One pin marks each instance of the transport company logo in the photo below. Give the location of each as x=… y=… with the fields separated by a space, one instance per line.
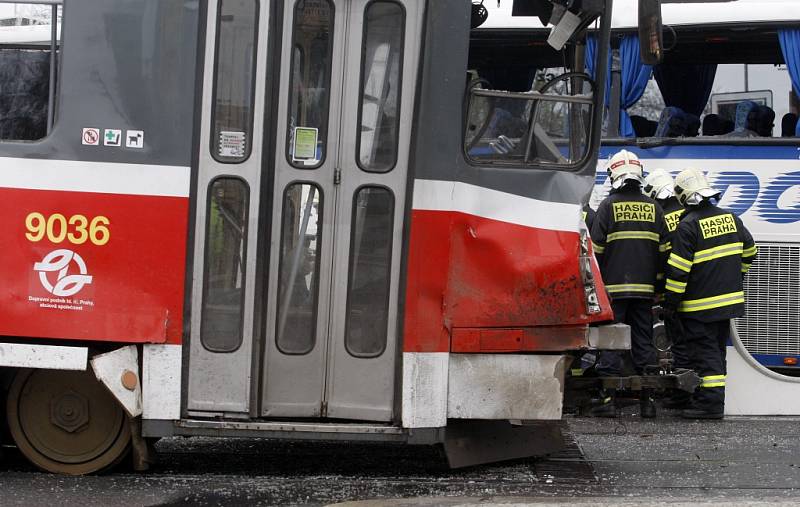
x=59 y=262
x=772 y=199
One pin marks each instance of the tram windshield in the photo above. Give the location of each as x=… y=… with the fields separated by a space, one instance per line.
x=514 y=116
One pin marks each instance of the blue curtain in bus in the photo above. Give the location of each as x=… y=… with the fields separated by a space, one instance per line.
x=634 y=76
x=790 y=45
x=687 y=87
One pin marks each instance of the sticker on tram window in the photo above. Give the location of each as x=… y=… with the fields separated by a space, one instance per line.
x=232 y=144
x=75 y=229
x=305 y=145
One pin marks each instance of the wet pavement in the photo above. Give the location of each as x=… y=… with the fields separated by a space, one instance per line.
x=627 y=461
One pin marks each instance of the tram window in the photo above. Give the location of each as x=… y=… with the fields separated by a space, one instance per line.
x=234 y=71
x=549 y=127
x=370 y=272
x=27 y=71
x=301 y=237
x=381 y=70
x=225 y=265
x=309 y=92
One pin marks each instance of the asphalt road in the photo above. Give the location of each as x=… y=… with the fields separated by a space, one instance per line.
x=627 y=461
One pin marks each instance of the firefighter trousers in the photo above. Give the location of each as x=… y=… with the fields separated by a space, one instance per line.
x=638 y=314
x=680 y=353
x=705 y=343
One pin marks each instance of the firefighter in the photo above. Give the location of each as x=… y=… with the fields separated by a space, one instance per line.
x=660 y=186
x=711 y=252
x=629 y=239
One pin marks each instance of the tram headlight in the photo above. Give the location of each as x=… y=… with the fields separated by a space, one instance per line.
x=587 y=275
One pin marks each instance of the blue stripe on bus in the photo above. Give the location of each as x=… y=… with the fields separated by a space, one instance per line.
x=709 y=151
x=774 y=360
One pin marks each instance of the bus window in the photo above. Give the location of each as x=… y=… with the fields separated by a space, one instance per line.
x=381 y=68
x=29 y=41
x=224 y=275
x=719 y=84
x=310 y=80
x=234 y=74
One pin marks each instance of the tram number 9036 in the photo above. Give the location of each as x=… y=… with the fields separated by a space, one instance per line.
x=76 y=229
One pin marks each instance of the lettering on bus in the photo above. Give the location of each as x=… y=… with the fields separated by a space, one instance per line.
x=634 y=212
x=77 y=229
x=717 y=226
x=772 y=200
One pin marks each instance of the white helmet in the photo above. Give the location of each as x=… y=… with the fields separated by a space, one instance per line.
x=691 y=187
x=623 y=167
x=659 y=185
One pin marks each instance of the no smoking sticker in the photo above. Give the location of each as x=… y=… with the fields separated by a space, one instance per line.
x=90 y=137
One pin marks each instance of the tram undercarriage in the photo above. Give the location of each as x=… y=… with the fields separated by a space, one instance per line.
x=84 y=420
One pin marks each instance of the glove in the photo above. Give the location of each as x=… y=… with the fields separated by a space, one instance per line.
x=673 y=323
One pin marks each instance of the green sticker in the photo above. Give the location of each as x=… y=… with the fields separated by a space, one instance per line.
x=305 y=143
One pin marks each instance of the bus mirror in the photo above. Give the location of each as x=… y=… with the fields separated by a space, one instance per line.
x=651 y=41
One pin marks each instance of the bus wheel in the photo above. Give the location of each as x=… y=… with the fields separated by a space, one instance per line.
x=66 y=422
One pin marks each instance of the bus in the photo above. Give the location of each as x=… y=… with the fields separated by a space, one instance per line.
x=725 y=100
x=300 y=219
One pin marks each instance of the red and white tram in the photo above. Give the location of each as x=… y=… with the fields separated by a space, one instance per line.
x=292 y=220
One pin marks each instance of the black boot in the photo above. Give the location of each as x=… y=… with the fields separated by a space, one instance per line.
x=647 y=407
x=696 y=413
x=679 y=400
x=605 y=407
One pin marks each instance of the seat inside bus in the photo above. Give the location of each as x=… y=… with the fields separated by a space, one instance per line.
x=715 y=81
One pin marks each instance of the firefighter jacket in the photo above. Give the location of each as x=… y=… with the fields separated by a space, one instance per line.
x=629 y=237
x=673 y=211
x=711 y=252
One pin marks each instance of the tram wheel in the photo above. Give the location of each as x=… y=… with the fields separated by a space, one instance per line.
x=66 y=422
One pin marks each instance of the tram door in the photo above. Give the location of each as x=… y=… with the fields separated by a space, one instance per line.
x=338 y=174
x=346 y=100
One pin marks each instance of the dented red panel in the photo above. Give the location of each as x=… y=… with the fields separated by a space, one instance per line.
x=467 y=271
x=529 y=339
x=92 y=266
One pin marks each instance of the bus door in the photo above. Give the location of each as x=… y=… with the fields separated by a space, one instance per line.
x=333 y=223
